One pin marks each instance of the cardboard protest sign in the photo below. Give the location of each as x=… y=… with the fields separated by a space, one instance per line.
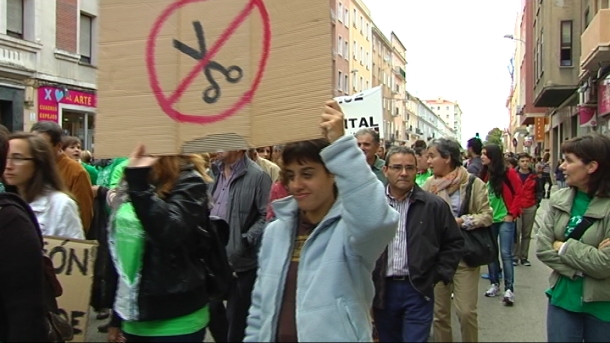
x=73 y=261
x=363 y=110
x=201 y=75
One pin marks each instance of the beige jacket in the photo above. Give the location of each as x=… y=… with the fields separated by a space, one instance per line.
x=270 y=168
x=480 y=213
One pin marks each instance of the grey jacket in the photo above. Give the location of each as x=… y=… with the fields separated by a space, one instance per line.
x=246 y=210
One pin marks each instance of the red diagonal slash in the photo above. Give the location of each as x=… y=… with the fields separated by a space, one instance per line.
x=175 y=96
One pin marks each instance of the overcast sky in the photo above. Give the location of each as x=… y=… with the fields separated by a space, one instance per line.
x=456 y=49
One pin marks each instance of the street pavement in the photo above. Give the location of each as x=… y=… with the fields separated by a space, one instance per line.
x=523 y=322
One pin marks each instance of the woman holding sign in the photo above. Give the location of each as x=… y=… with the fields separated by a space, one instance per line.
x=157 y=210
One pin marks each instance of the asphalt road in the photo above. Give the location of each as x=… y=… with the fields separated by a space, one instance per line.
x=523 y=322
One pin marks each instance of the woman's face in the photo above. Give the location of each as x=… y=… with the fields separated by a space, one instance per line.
x=577 y=173
x=484 y=159
x=264 y=152
x=20 y=166
x=440 y=166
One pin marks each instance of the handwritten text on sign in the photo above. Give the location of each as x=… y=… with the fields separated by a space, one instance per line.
x=363 y=110
x=73 y=261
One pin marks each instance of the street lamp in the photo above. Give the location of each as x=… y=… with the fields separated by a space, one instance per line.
x=514 y=38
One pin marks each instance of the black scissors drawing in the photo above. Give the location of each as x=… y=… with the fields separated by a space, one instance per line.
x=212 y=93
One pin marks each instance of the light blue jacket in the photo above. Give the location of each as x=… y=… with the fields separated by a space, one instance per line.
x=334 y=288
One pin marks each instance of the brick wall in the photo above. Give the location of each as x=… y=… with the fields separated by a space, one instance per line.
x=66 y=12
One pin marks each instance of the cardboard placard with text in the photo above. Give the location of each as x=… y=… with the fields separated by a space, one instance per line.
x=191 y=76
x=73 y=261
x=363 y=110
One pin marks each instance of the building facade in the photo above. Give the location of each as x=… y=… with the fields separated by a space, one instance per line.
x=340 y=17
x=381 y=72
x=429 y=124
x=451 y=115
x=47 y=64
x=399 y=85
x=360 y=34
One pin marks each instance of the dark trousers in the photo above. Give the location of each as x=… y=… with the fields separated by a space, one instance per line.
x=198 y=336
x=229 y=324
x=544 y=180
x=407 y=315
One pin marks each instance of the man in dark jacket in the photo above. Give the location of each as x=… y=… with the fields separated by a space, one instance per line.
x=240 y=193
x=426 y=249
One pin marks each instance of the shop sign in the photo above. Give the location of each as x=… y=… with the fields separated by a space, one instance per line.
x=586 y=116
x=539 y=123
x=50 y=98
x=603 y=97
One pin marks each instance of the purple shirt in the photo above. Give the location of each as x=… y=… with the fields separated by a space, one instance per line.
x=223 y=186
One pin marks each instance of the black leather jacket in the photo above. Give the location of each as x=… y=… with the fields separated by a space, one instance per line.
x=173 y=281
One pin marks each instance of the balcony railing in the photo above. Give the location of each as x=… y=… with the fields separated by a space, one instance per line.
x=595 y=41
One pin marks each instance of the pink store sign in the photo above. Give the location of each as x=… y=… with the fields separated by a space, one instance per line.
x=51 y=98
x=603 y=97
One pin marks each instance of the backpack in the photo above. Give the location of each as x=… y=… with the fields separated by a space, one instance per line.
x=59 y=328
x=213 y=238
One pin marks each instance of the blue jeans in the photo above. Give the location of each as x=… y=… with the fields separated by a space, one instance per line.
x=566 y=326
x=198 y=336
x=505 y=231
x=407 y=315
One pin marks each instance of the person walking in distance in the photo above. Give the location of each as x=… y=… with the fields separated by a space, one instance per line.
x=531 y=194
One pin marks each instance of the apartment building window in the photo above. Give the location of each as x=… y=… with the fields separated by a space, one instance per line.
x=566 y=44
x=367 y=61
x=355 y=20
x=346 y=19
x=345 y=84
x=361 y=24
x=587 y=18
x=340 y=14
x=354 y=81
x=86 y=29
x=340 y=46
x=14 y=18
x=355 y=50
x=367 y=31
x=367 y=85
x=340 y=81
x=346 y=49
x=361 y=57
x=361 y=83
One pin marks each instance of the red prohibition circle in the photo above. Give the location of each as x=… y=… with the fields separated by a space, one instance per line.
x=167 y=102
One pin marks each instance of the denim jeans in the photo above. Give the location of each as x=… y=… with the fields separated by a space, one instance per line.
x=566 y=326
x=198 y=336
x=505 y=231
x=407 y=315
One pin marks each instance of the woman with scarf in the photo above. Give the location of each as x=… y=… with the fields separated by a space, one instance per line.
x=450 y=180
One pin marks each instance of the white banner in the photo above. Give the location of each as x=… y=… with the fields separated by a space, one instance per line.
x=363 y=110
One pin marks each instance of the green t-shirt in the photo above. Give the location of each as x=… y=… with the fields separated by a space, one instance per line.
x=421 y=178
x=129 y=244
x=567 y=293
x=497 y=205
x=91 y=171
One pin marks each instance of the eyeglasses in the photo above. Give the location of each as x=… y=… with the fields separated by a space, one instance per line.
x=398 y=168
x=19 y=161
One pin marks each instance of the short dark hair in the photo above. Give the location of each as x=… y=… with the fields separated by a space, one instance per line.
x=589 y=148
x=448 y=148
x=420 y=143
x=524 y=155
x=400 y=149
x=475 y=144
x=51 y=128
x=371 y=132
x=304 y=151
x=68 y=141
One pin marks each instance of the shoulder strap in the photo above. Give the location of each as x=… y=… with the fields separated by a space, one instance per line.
x=580 y=229
x=464 y=208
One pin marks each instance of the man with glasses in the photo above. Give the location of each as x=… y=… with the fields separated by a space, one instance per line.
x=426 y=249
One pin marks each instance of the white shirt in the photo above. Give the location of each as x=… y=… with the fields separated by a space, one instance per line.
x=58 y=215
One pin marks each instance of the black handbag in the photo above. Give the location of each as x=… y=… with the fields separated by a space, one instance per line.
x=480 y=247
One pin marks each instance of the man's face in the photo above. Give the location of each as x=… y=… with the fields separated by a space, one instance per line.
x=400 y=171
x=367 y=145
x=422 y=160
x=469 y=152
